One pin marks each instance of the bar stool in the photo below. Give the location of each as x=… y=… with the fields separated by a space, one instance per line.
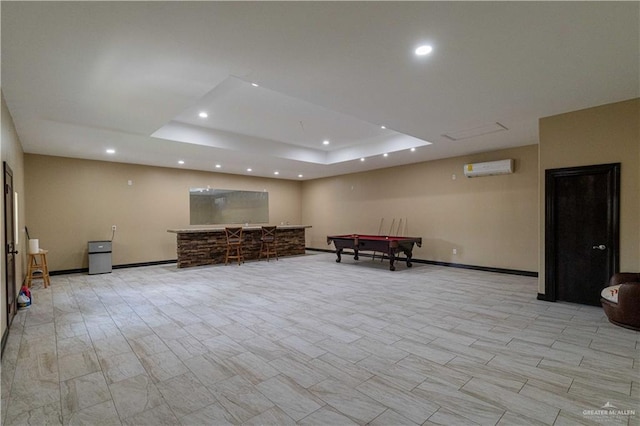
x=36 y=271
x=234 y=244
x=268 y=242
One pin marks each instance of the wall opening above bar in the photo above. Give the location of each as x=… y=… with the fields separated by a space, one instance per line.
x=208 y=206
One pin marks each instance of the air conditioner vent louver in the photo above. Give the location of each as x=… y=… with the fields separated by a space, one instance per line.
x=490 y=168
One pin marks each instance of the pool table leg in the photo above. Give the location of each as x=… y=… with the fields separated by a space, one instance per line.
x=409 y=254
x=339 y=254
x=392 y=259
x=355 y=255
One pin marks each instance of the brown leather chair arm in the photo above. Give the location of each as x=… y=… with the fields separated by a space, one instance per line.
x=629 y=299
x=624 y=277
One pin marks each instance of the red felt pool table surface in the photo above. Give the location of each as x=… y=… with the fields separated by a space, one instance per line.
x=375 y=237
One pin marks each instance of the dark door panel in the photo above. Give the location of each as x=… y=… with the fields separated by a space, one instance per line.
x=9 y=245
x=581 y=231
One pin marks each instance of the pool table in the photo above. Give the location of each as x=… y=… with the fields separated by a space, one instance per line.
x=380 y=243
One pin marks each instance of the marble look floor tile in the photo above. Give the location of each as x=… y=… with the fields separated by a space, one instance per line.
x=103 y=414
x=135 y=330
x=327 y=415
x=208 y=369
x=49 y=414
x=163 y=365
x=82 y=392
x=395 y=374
x=512 y=366
x=412 y=405
x=170 y=331
x=186 y=347
x=160 y=415
x=267 y=342
x=240 y=398
x=303 y=374
x=201 y=331
x=213 y=414
x=390 y=417
x=185 y=394
x=423 y=351
x=223 y=347
x=237 y=332
x=251 y=367
x=510 y=418
x=273 y=416
x=135 y=395
x=507 y=400
x=447 y=417
x=511 y=381
x=290 y=397
x=148 y=345
x=99 y=332
x=309 y=326
x=348 y=401
x=463 y=404
x=340 y=369
x=299 y=344
x=121 y=366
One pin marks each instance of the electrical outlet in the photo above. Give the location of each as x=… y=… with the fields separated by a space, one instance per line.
x=455 y=251
x=113 y=227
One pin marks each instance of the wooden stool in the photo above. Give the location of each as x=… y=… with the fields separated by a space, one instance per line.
x=37 y=270
x=234 y=244
x=268 y=242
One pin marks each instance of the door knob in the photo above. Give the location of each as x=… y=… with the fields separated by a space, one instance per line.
x=600 y=247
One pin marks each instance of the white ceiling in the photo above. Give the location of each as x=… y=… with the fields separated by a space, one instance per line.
x=81 y=77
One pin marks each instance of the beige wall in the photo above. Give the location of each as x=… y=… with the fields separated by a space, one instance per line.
x=11 y=150
x=604 y=134
x=73 y=201
x=491 y=221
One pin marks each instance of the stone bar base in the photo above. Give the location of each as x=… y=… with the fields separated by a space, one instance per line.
x=208 y=246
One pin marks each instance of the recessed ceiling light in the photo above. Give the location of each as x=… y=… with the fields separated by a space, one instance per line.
x=424 y=50
x=385 y=155
x=254 y=84
x=111 y=151
x=249 y=170
x=276 y=172
x=325 y=142
x=413 y=149
x=383 y=127
x=362 y=159
x=218 y=166
x=203 y=115
x=299 y=175
x=181 y=162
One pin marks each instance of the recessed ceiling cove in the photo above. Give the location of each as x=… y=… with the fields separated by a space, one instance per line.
x=243 y=115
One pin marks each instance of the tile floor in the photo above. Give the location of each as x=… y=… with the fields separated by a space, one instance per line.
x=308 y=341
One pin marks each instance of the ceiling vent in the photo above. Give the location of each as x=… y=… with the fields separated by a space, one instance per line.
x=476 y=131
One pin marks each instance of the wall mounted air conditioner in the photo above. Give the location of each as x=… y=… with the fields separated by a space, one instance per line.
x=490 y=168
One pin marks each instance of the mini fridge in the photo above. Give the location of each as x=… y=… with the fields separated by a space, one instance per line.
x=99 y=257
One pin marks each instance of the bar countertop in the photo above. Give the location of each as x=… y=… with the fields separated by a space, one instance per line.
x=221 y=229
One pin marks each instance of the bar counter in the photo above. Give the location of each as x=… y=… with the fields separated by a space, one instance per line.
x=207 y=246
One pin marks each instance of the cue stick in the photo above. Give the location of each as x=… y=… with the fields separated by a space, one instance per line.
x=390 y=234
x=399 y=227
x=379 y=233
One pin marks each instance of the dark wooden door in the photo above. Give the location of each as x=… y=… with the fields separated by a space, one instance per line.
x=9 y=245
x=582 y=231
